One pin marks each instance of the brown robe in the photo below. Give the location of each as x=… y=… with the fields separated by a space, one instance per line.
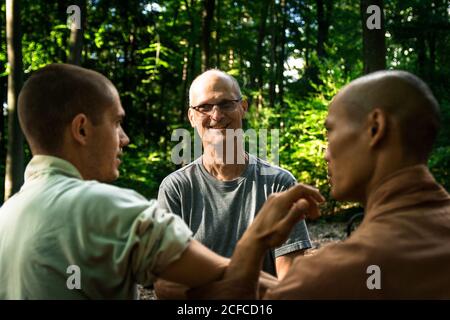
x=405 y=231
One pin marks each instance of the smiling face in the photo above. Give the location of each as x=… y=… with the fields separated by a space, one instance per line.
x=348 y=152
x=215 y=88
x=105 y=148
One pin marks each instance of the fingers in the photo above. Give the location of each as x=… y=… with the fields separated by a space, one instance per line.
x=298 y=211
x=268 y=276
x=281 y=212
x=313 y=211
x=284 y=227
x=301 y=191
x=303 y=208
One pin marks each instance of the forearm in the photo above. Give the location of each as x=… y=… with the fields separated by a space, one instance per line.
x=241 y=277
x=244 y=268
x=170 y=290
x=196 y=267
x=283 y=263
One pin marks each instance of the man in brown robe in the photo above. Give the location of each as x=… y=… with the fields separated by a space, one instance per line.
x=381 y=129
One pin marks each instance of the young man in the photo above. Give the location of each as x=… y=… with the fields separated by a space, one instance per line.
x=67 y=235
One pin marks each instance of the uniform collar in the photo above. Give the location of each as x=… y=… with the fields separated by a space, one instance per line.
x=408 y=187
x=40 y=164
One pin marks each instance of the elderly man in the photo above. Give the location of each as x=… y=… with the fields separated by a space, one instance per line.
x=65 y=235
x=389 y=119
x=218 y=195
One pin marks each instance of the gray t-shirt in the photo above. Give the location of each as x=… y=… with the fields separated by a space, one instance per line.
x=219 y=212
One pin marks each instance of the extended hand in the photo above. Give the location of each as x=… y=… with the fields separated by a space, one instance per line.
x=271 y=227
x=281 y=212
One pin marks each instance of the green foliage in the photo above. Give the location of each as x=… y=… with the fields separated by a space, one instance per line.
x=439 y=162
x=152 y=56
x=303 y=135
x=143 y=170
x=440 y=165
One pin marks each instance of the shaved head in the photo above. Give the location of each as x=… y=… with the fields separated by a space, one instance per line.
x=54 y=95
x=211 y=78
x=405 y=98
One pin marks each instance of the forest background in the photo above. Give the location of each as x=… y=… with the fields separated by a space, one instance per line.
x=289 y=56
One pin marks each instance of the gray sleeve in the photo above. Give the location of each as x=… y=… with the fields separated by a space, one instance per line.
x=299 y=237
x=169 y=196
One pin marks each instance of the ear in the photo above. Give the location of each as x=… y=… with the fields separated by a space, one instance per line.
x=191 y=117
x=244 y=107
x=80 y=128
x=377 y=126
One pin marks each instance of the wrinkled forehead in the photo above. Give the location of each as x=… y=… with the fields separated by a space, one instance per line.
x=212 y=86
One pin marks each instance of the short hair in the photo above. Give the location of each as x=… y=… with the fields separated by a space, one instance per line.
x=408 y=99
x=220 y=73
x=53 y=96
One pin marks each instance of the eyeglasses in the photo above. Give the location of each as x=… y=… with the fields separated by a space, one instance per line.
x=224 y=106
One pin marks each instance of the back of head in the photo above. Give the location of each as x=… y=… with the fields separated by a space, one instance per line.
x=404 y=97
x=53 y=96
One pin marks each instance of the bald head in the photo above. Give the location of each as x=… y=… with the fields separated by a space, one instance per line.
x=53 y=96
x=405 y=98
x=210 y=79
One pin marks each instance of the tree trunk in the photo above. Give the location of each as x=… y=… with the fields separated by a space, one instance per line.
x=432 y=64
x=374 y=47
x=184 y=79
x=258 y=67
x=273 y=53
x=320 y=28
x=189 y=61
x=3 y=94
x=421 y=55
x=15 y=157
x=76 y=36
x=323 y=21
x=218 y=15
x=208 y=15
x=282 y=53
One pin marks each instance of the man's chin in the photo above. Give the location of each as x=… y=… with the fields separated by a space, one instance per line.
x=111 y=178
x=344 y=195
x=215 y=131
x=337 y=194
x=214 y=135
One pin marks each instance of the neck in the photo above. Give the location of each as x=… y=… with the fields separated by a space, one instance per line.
x=77 y=158
x=221 y=168
x=388 y=165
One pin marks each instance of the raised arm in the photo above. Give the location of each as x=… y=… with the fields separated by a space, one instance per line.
x=270 y=228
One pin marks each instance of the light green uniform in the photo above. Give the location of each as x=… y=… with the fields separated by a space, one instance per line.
x=114 y=236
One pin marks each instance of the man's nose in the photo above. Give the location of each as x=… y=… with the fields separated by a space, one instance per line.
x=124 y=140
x=326 y=155
x=216 y=113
